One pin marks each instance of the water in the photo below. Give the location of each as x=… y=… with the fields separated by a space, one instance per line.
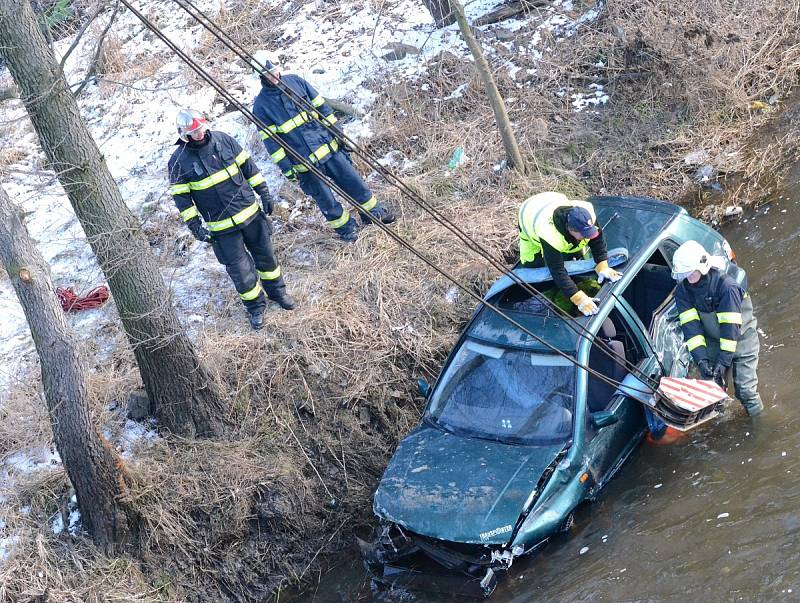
x=715 y=517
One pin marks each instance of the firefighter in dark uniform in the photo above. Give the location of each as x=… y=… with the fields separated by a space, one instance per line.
x=553 y=229
x=302 y=129
x=212 y=177
x=716 y=316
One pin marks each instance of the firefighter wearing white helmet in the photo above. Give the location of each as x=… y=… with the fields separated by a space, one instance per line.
x=552 y=229
x=212 y=184
x=716 y=316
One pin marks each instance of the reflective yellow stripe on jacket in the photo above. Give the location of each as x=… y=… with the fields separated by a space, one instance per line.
x=189 y=213
x=235 y=219
x=215 y=178
x=688 y=316
x=254 y=181
x=278 y=155
x=318 y=155
x=727 y=345
x=734 y=318
x=695 y=342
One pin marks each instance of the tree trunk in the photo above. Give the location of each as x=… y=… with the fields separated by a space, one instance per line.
x=513 y=156
x=94 y=468
x=441 y=11
x=185 y=397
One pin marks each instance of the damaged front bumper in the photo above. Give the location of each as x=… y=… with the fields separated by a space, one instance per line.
x=400 y=559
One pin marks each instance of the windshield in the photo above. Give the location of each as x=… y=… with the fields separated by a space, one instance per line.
x=504 y=394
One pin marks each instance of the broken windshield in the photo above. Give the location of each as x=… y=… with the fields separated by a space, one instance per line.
x=505 y=394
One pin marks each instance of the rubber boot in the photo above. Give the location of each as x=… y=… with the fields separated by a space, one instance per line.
x=381 y=213
x=348 y=232
x=257 y=320
x=754 y=407
x=283 y=299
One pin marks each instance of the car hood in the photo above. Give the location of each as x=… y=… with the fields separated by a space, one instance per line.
x=460 y=489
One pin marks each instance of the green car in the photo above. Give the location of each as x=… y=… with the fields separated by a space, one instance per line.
x=514 y=437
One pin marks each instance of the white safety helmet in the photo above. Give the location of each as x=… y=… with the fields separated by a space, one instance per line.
x=689 y=257
x=262 y=61
x=188 y=121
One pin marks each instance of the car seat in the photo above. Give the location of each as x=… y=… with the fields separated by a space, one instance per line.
x=599 y=392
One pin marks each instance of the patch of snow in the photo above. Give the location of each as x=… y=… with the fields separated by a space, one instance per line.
x=583 y=550
x=582 y=100
x=132 y=434
x=23 y=462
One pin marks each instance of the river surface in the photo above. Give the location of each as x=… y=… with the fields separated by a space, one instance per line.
x=715 y=517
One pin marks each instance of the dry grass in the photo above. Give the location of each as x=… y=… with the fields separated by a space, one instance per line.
x=322 y=395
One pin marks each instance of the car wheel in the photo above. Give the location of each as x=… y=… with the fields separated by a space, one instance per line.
x=568 y=523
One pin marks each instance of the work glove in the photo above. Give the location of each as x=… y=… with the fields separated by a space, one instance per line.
x=291 y=176
x=199 y=231
x=586 y=304
x=605 y=272
x=268 y=203
x=706 y=372
x=720 y=376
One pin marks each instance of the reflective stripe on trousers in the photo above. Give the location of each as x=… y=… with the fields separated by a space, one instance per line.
x=247 y=254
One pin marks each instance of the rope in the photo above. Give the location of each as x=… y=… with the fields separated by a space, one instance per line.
x=372 y=161
x=72 y=302
x=312 y=168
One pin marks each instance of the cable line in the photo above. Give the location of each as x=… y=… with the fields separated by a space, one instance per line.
x=312 y=168
x=372 y=161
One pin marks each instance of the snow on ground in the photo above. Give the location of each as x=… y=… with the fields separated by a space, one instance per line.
x=337 y=50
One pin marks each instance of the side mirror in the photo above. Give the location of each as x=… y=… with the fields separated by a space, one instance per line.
x=603 y=418
x=423 y=387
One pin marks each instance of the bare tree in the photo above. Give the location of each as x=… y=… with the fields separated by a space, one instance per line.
x=183 y=393
x=513 y=156
x=441 y=11
x=94 y=468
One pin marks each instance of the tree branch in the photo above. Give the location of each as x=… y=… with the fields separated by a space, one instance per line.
x=79 y=35
x=93 y=65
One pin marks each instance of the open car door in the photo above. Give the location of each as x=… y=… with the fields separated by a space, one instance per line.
x=679 y=402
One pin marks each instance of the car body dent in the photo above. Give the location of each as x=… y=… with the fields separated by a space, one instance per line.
x=429 y=489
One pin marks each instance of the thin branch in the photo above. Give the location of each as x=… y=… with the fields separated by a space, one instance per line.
x=79 y=35
x=93 y=65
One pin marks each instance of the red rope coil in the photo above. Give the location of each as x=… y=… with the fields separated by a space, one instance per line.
x=72 y=302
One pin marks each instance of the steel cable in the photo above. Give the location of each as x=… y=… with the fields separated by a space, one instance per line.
x=372 y=161
x=312 y=168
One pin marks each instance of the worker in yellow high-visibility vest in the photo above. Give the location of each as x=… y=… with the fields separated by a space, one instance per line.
x=552 y=229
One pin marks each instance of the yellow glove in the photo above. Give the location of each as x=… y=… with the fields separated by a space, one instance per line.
x=604 y=272
x=585 y=303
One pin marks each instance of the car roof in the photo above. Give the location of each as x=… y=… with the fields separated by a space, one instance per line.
x=630 y=224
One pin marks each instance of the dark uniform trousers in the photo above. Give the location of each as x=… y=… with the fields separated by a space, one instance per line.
x=249 y=259
x=339 y=169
